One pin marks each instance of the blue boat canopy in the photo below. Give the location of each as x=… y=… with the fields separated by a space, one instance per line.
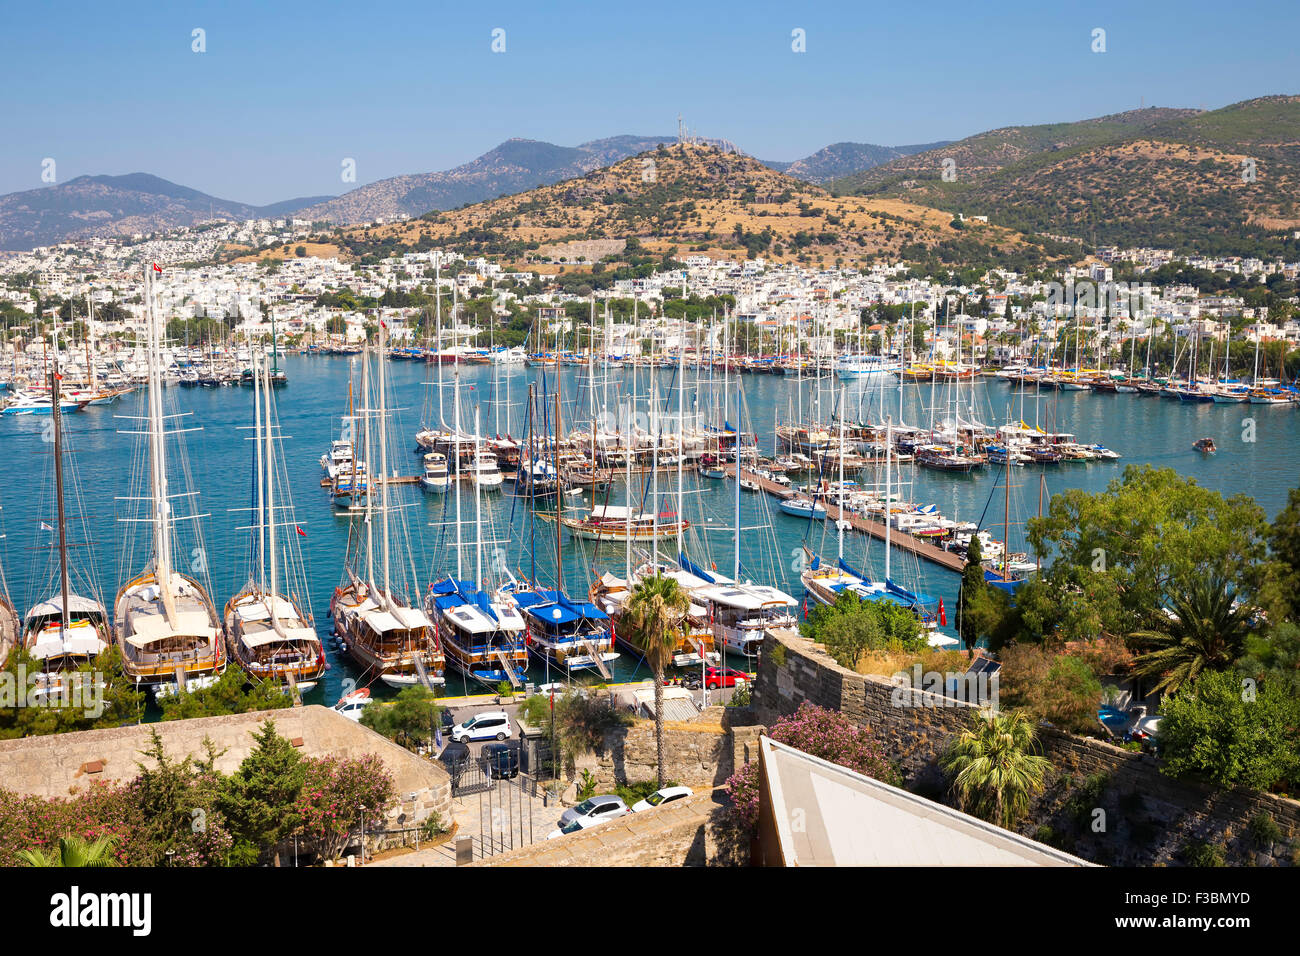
x=695 y=569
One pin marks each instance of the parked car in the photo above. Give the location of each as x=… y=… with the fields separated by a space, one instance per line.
x=660 y=797
x=352 y=705
x=715 y=677
x=501 y=761
x=489 y=725
x=605 y=807
x=581 y=823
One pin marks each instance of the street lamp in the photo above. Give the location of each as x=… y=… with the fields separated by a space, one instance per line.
x=364 y=811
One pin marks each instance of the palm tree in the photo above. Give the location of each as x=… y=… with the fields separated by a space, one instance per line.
x=73 y=851
x=994 y=769
x=1207 y=630
x=655 y=611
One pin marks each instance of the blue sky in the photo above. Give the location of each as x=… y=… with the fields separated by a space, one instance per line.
x=286 y=91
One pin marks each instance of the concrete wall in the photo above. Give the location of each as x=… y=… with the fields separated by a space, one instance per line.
x=1149 y=817
x=65 y=764
x=691 y=832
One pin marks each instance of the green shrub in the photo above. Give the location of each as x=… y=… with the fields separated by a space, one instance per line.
x=1263 y=830
x=1202 y=853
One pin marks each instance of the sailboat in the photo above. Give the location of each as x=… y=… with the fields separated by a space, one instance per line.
x=380 y=629
x=65 y=630
x=482 y=634
x=824 y=583
x=572 y=636
x=268 y=633
x=166 y=625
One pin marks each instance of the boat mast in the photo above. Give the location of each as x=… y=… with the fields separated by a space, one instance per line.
x=839 y=516
x=559 y=557
x=455 y=413
x=158 y=457
x=368 y=471
x=270 y=499
x=889 y=440
x=383 y=459
x=55 y=379
x=257 y=468
x=738 y=418
x=478 y=509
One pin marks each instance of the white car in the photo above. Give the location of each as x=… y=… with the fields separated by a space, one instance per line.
x=582 y=823
x=595 y=809
x=660 y=797
x=489 y=725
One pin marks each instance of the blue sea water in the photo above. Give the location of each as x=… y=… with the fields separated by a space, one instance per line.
x=1258 y=455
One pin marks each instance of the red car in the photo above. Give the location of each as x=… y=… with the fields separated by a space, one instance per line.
x=715 y=677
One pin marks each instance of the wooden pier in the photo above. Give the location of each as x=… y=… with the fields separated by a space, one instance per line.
x=898 y=539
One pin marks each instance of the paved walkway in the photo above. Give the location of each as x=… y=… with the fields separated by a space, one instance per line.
x=519 y=820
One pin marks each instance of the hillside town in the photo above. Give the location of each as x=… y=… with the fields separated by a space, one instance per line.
x=1001 y=318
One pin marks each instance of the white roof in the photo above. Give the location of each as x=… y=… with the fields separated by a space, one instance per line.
x=257 y=610
x=853 y=820
x=746 y=597
x=291 y=634
x=148 y=628
x=76 y=603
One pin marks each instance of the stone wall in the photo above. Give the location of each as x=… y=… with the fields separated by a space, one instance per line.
x=1148 y=817
x=691 y=832
x=696 y=754
x=65 y=764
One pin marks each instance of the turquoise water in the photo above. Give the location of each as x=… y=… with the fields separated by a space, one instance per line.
x=1154 y=430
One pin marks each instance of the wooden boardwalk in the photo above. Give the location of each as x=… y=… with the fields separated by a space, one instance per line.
x=898 y=539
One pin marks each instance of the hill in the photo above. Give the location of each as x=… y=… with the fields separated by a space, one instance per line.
x=512 y=167
x=1180 y=179
x=113 y=206
x=687 y=198
x=845 y=159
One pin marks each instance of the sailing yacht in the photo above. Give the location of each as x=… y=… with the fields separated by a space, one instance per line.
x=482 y=635
x=387 y=636
x=65 y=630
x=165 y=623
x=825 y=583
x=267 y=632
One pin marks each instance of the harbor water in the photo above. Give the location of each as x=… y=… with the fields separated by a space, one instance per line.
x=1258 y=455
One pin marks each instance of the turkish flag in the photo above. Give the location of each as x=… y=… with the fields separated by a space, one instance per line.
x=157 y=268
x=943 y=615
x=300 y=531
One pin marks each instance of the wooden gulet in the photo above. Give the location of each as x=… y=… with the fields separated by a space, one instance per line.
x=267 y=632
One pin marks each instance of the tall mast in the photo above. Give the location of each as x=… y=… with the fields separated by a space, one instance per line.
x=559 y=559
x=478 y=510
x=55 y=379
x=383 y=459
x=270 y=498
x=738 y=418
x=889 y=441
x=158 y=456
x=455 y=414
x=258 y=474
x=839 y=523
x=369 y=470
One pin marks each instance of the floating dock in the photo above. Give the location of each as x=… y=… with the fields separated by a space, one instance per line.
x=898 y=539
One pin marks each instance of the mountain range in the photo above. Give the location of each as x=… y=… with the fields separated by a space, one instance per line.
x=142 y=203
x=1223 y=181
x=116 y=206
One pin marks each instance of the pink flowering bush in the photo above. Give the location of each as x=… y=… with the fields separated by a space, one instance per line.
x=331 y=800
x=818 y=732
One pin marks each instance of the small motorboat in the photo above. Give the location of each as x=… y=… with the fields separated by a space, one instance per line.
x=1205 y=446
x=351 y=705
x=803 y=508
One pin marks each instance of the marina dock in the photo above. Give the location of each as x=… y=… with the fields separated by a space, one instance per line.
x=897 y=539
